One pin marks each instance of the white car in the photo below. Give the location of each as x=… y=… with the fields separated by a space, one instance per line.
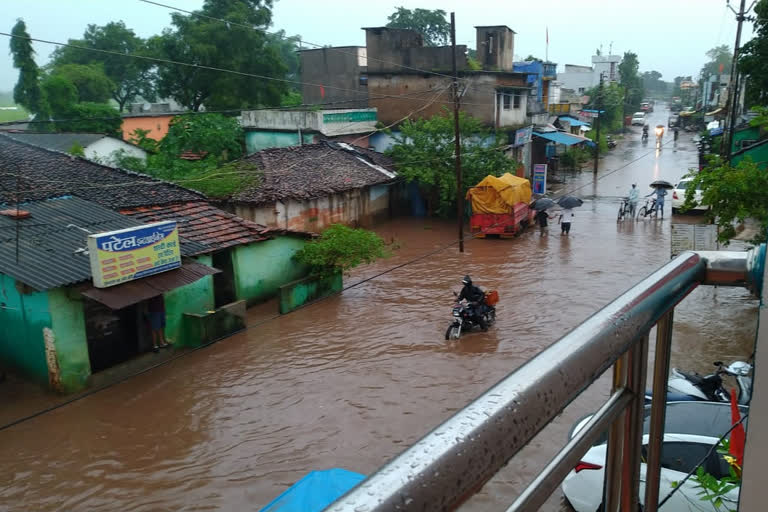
x=678 y=196
x=638 y=118
x=691 y=429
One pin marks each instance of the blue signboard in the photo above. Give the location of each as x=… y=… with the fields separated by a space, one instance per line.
x=540 y=179
x=523 y=135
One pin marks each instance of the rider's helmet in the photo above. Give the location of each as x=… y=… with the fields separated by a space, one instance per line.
x=467 y=280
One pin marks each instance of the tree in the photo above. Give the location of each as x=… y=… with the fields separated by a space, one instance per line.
x=720 y=57
x=733 y=193
x=89 y=80
x=754 y=55
x=27 y=91
x=61 y=95
x=131 y=78
x=339 y=249
x=91 y=118
x=241 y=46
x=423 y=153
x=653 y=84
x=611 y=101
x=631 y=82
x=213 y=135
x=431 y=24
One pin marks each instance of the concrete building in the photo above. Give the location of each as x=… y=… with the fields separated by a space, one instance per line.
x=582 y=78
x=310 y=187
x=96 y=146
x=496 y=95
x=335 y=77
x=282 y=128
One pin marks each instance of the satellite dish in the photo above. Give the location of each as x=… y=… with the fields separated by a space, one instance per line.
x=146 y=107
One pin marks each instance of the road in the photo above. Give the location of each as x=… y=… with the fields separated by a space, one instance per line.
x=353 y=380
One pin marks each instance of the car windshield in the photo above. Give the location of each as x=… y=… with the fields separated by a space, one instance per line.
x=682 y=185
x=639 y=114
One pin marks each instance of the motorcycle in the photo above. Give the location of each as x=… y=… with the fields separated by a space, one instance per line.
x=644 y=138
x=465 y=318
x=683 y=386
x=611 y=143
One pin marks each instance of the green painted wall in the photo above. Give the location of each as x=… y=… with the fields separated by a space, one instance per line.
x=23 y=318
x=746 y=133
x=256 y=141
x=296 y=294
x=193 y=298
x=261 y=268
x=68 y=325
x=758 y=154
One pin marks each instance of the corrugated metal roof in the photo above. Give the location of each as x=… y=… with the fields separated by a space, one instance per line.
x=123 y=295
x=560 y=138
x=52 y=241
x=58 y=141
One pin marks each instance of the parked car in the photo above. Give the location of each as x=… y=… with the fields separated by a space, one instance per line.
x=691 y=429
x=678 y=196
x=638 y=118
x=646 y=106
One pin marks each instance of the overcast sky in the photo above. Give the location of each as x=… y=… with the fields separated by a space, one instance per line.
x=669 y=36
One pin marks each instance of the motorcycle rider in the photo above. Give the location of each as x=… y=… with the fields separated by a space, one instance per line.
x=645 y=132
x=476 y=298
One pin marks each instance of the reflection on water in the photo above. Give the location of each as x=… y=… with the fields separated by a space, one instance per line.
x=353 y=380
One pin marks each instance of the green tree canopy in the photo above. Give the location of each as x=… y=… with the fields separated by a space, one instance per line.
x=631 y=82
x=611 y=100
x=130 y=78
x=89 y=80
x=719 y=57
x=214 y=135
x=61 y=95
x=28 y=93
x=653 y=84
x=203 y=41
x=341 y=248
x=431 y=24
x=424 y=153
x=753 y=57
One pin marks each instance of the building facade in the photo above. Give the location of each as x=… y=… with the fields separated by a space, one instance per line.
x=335 y=76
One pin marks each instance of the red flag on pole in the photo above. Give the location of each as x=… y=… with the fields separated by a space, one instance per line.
x=738 y=436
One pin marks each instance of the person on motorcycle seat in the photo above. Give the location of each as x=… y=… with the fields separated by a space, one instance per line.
x=645 y=130
x=476 y=298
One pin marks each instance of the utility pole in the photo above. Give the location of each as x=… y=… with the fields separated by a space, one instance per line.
x=733 y=88
x=456 y=136
x=597 y=127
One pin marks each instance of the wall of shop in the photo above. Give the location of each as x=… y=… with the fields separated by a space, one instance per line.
x=23 y=317
x=69 y=339
x=262 y=267
x=194 y=298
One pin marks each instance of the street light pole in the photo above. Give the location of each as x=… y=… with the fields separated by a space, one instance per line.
x=597 y=127
x=733 y=87
x=456 y=135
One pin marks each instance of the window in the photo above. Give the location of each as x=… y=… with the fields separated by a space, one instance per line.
x=516 y=103
x=506 y=101
x=681 y=457
x=581 y=90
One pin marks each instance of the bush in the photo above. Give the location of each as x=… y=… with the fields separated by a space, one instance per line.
x=575 y=157
x=341 y=248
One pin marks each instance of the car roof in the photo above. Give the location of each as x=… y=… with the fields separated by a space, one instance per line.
x=638 y=114
x=711 y=419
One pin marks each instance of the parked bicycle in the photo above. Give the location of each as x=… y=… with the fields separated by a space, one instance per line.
x=648 y=209
x=625 y=210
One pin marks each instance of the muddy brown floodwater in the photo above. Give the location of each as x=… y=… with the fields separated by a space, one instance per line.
x=355 y=379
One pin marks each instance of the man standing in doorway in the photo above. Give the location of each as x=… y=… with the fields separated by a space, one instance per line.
x=566 y=217
x=156 y=317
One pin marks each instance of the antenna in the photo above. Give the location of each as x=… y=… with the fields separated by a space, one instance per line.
x=610 y=48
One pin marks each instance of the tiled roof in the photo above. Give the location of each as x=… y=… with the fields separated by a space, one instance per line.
x=311 y=171
x=203 y=223
x=53 y=238
x=39 y=173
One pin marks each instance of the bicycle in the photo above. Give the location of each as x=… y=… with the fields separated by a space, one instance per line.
x=649 y=208
x=625 y=210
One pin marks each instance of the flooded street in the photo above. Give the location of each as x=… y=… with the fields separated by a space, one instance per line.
x=355 y=379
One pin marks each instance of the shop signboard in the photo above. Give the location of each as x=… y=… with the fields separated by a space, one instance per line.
x=693 y=237
x=133 y=253
x=523 y=135
x=540 y=179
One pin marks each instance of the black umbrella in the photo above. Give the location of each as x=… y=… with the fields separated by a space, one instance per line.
x=569 y=202
x=662 y=184
x=542 y=203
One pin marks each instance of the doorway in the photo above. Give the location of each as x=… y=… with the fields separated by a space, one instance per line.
x=224 y=281
x=112 y=335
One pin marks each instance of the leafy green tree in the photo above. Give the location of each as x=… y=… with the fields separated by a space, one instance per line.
x=733 y=194
x=213 y=135
x=424 y=153
x=27 y=92
x=631 y=82
x=611 y=100
x=431 y=24
x=131 y=78
x=89 y=80
x=653 y=84
x=91 y=118
x=719 y=56
x=243 y=47
x=61 y=95
x=754 y=55
x=339 y=249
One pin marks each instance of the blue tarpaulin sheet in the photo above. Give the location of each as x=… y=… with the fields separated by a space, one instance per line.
x=560 y=138
x=315 y=491
x=574 y=122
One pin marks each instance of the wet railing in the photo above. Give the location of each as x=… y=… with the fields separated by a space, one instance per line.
x=454 y=461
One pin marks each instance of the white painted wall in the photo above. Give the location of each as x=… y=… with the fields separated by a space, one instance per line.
x=513 y=116
x=103 y=149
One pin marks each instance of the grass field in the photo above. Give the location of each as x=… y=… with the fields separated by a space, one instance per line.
x=13 y=115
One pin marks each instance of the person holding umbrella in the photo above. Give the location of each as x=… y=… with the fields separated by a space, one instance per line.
x=541 y=219
x=660 y=190
x=541 y=205
x=567 y=203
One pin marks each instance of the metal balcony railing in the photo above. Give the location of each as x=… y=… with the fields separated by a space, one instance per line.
x=454 y=461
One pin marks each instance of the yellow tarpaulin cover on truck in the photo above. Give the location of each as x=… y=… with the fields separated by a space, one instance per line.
x=499 y=195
